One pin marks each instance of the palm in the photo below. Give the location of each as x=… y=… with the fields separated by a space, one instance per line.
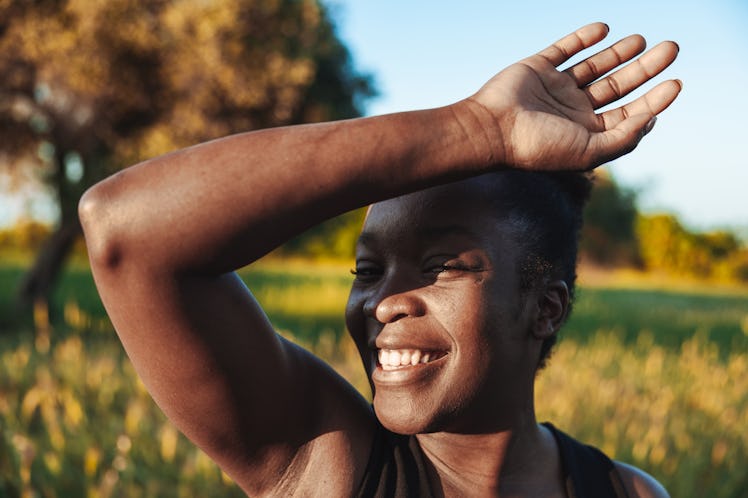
x=551 y=117
x=547 y=117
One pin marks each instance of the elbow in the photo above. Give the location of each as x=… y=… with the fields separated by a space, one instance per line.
x=100 y=229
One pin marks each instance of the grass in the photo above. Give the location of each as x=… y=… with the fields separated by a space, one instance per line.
x=655 y=376
x=669 y=317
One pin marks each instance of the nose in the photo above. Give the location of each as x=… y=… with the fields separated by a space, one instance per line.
x=391 y=303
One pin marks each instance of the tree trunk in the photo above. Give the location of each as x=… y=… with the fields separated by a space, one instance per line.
x=36 y=286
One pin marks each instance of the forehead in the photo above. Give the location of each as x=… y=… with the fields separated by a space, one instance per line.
x=457 y=210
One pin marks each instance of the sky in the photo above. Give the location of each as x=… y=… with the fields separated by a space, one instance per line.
x=428 y=53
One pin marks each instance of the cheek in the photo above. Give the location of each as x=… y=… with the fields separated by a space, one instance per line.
x=481 y=328
x=471 y=322
x=470 y=313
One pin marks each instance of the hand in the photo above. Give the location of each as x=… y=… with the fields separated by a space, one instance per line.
x=546 y=118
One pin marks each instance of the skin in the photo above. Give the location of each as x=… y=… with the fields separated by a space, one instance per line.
x=437 y=272
x=164 y=238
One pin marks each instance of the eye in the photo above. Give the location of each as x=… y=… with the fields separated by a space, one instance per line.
x=439 y=268
x=366 y=272
x=449 y=267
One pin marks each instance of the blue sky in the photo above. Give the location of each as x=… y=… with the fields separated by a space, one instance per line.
x=425 y=54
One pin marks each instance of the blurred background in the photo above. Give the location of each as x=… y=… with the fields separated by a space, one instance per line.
x=653 y=365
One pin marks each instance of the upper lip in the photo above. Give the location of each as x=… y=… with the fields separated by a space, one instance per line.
x=400 y=337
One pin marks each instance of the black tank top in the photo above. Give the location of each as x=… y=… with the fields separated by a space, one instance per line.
x=397 y=468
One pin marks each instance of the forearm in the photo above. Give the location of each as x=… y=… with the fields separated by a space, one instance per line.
x=220 y=205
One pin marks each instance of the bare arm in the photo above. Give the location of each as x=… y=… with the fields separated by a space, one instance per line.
x=164 y=236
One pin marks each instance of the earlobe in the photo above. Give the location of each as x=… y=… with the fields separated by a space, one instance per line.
x=553 y=305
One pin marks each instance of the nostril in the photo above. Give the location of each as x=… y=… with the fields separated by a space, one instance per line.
x=397 y=306
x=391 y=318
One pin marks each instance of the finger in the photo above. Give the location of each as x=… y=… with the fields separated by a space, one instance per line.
x=599 y=64
x=572 y=44
x=631 y=77
x=626 y=133
x=651 y=103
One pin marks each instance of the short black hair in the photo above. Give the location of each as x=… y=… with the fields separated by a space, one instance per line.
x=545 y=209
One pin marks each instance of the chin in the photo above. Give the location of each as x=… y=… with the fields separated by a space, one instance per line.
x=406 y=417
x=403 y=426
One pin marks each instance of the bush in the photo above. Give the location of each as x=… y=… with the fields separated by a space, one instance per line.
x=25 y=236
x=665 y=245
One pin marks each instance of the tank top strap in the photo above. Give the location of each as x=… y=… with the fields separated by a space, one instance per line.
x=588 y=472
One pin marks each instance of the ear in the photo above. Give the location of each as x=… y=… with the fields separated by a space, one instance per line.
x=553 y=305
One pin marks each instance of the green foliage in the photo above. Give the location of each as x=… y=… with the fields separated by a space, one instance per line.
x=335 y=238
x=616 y=234
x=123 y=80
x=608 y=235
x=24 y=236
x=665 y=245
x=735 y=266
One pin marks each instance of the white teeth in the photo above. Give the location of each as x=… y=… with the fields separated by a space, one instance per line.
x=384 y=357
x=391 y=359
x=405 y=358
x=395 y=358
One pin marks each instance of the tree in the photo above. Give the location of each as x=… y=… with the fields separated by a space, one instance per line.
x=608 y=234
x=90 y=86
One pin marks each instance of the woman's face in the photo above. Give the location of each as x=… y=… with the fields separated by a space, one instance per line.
x=437 y=313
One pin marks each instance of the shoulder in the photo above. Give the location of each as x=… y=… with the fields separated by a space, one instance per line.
x=638 y=483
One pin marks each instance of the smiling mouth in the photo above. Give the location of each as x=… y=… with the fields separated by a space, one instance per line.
x=393 y=359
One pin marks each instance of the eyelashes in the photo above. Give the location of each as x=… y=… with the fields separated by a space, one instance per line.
x=449 y=267
x=365 y=272
x=369 y=273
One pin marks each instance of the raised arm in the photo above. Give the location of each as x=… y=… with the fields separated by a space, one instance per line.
x=165 y=235
x=547 y=118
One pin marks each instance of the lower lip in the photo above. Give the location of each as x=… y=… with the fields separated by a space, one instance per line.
x=407 y=374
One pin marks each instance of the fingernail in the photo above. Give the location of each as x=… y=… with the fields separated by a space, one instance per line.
x=650 y=125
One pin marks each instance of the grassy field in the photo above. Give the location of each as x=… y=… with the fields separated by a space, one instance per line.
x=656 y=375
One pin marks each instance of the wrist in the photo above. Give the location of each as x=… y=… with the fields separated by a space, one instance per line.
x=482 y=131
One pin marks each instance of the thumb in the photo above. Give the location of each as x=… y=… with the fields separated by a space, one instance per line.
x=611 y=144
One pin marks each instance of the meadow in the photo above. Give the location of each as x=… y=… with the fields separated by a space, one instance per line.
x=654 y=374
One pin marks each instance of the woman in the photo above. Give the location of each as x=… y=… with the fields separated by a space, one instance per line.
x=437 y=283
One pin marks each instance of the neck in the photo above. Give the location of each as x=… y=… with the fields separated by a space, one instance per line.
x=521 y=459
